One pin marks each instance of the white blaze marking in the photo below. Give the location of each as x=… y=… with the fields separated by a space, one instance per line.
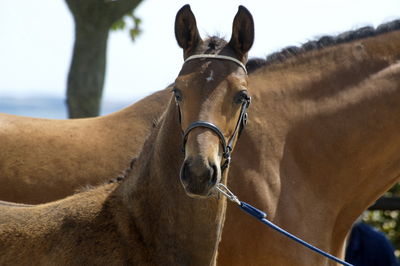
x=211 y=77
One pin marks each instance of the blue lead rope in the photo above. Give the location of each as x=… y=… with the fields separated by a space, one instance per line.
x=262 y=217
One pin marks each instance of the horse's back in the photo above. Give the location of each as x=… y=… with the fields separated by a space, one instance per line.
x=40 y=156
x=47 y=159
x=60 y=232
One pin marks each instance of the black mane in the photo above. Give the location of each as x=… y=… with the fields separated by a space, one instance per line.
x=322 y=42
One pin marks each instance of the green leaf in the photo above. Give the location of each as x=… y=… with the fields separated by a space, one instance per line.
x=119 y=24
x=135 y=30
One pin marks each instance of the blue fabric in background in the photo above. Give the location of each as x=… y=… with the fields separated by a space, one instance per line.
x=369 y=247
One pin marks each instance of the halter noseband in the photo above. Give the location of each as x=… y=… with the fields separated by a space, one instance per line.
x=242 y=121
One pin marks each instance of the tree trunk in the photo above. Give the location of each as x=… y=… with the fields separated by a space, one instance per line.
x=87 y=71
x=93 y=19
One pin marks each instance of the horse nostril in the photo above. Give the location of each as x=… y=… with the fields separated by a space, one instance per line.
x=185 y=172
x=214 y=175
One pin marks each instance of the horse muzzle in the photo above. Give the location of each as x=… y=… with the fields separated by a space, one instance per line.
x=199 y=177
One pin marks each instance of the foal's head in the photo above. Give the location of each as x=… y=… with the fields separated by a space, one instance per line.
x=212 y=98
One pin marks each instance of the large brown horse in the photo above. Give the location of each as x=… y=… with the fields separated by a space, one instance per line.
x=148 y=219
x=322 y=144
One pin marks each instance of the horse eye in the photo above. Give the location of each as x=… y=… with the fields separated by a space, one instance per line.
x=241 y=97
x=177 y=94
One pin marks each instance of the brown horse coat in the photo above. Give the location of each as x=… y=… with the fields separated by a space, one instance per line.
x=322 y=144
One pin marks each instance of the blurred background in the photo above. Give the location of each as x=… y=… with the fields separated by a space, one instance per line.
x=124 y=50
x=37 y=40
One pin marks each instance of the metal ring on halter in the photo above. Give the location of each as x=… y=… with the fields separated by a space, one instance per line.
x=225 y=190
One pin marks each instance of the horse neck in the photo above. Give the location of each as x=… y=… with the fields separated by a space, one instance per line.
x=340 y=114
x=174 y=228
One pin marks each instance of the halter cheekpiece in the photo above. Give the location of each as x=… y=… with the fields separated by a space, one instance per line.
x=242 y=121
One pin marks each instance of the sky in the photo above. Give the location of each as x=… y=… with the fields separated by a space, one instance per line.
x=36 y=39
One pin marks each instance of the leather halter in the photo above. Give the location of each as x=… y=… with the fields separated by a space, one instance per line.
x=241 y=123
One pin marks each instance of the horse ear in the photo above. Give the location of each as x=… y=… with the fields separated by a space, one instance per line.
x=242 y=32
x=186 y=32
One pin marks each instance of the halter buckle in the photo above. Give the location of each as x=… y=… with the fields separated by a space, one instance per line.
x=227 y=152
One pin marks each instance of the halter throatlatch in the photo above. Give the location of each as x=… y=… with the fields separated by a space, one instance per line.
x=241 y=123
